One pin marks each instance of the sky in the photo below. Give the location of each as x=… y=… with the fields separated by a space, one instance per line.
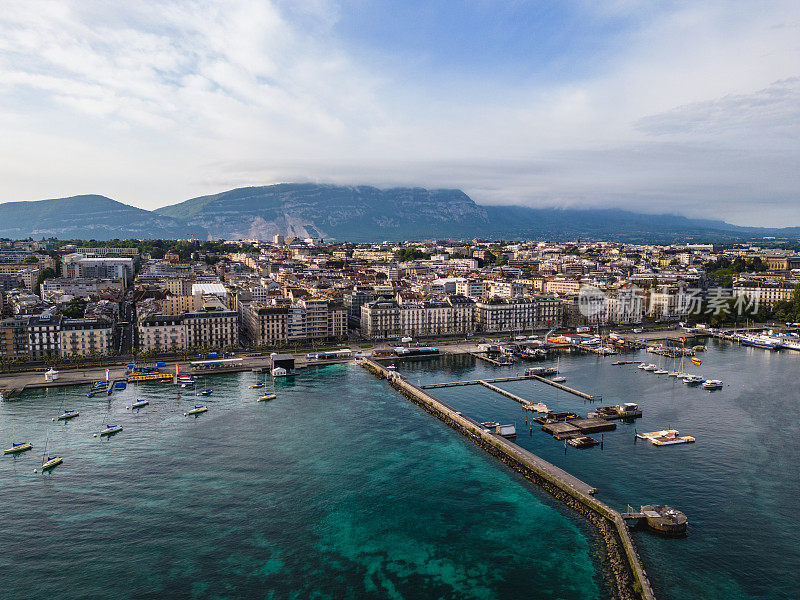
x=687 y=108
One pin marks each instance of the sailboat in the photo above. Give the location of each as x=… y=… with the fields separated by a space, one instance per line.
x=258 y=385
x=109 y=430
x=267 y=397
x=198 y=408
x=17 y=448
x=48 y=462
x=558 y=379
x=67 y=414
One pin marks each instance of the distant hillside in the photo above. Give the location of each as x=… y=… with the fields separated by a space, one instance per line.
x=366 y=213
x=87 y=217
x=353 y=213
x=360 y=213
x=619 y=225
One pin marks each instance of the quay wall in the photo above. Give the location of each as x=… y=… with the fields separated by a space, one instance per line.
x=627 y=575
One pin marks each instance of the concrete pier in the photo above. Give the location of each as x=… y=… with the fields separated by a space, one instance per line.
x=428 y=386
x=514 y=397
x=555 y=384
x=627 y=573
x=561 y=386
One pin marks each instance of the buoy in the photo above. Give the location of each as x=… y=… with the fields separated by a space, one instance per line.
x=35 y=471
x=185 y=414
x=53 y=419
x=127 y=408
x=94 y=435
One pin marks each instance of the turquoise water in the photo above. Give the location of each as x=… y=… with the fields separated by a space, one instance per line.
x=340 y=488
x=738 y=484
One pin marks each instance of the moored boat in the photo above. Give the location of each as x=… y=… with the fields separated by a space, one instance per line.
x=68 y=414
x=665 y=437
x=692 y=379
x=206 y=392
x=696 y=361
x=110 y=430
x=17 y=448
x=267 y=397
x=198 y=408
x=712 y=384
x=139 y=404
x=52 y=461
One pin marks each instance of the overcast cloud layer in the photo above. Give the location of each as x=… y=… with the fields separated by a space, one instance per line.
x=689 y=108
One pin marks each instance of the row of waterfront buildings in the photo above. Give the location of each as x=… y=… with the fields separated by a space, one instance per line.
x=292 y=292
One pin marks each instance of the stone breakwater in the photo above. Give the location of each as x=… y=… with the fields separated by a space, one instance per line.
x=625 y=574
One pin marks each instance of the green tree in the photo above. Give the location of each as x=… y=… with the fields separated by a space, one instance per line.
x=44 y=274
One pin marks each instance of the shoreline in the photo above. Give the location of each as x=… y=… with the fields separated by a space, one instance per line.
x=624 y=571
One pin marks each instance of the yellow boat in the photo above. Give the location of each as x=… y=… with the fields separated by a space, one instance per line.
x=266 y=397
x=696 y=361
x=257 y=386
x=17 y=448
x=51 y=462
x=197 y=410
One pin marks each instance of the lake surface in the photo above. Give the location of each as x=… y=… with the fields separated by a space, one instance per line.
x=739 y=484
x=339 y=488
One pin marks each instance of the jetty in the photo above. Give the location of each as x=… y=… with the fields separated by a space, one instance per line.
x=514 y=397
x=475 y=381
x=628 y=575
x=566 y=388
x=483 y=382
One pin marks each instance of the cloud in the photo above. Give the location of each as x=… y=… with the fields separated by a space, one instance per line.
x=689 y=107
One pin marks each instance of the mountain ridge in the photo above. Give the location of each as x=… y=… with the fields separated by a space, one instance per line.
x=354 y=213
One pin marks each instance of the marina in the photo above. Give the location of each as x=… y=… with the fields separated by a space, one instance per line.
x=620 y=470
x=634 y=583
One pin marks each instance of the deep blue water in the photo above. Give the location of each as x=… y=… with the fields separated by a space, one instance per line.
x=340 y=488
x=738 y=484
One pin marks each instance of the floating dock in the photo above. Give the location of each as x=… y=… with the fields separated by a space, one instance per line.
x=428 y=386
x=561 y=386
x=514 y=397
x=629 y=582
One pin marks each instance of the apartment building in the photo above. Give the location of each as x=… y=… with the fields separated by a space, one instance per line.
x=266 y=325
x=471 y=288
x=79 y=286
x=380 y=319
x=43 y=336
x=212 y=326
x=14 y=338
x=765 y=294
x=160 y=333
x=85 y=337
x=505 y=289
x=517 y=314
x=96 y=267
x=383 y=318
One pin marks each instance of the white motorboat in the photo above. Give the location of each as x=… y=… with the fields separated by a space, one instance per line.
x=712 y=384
